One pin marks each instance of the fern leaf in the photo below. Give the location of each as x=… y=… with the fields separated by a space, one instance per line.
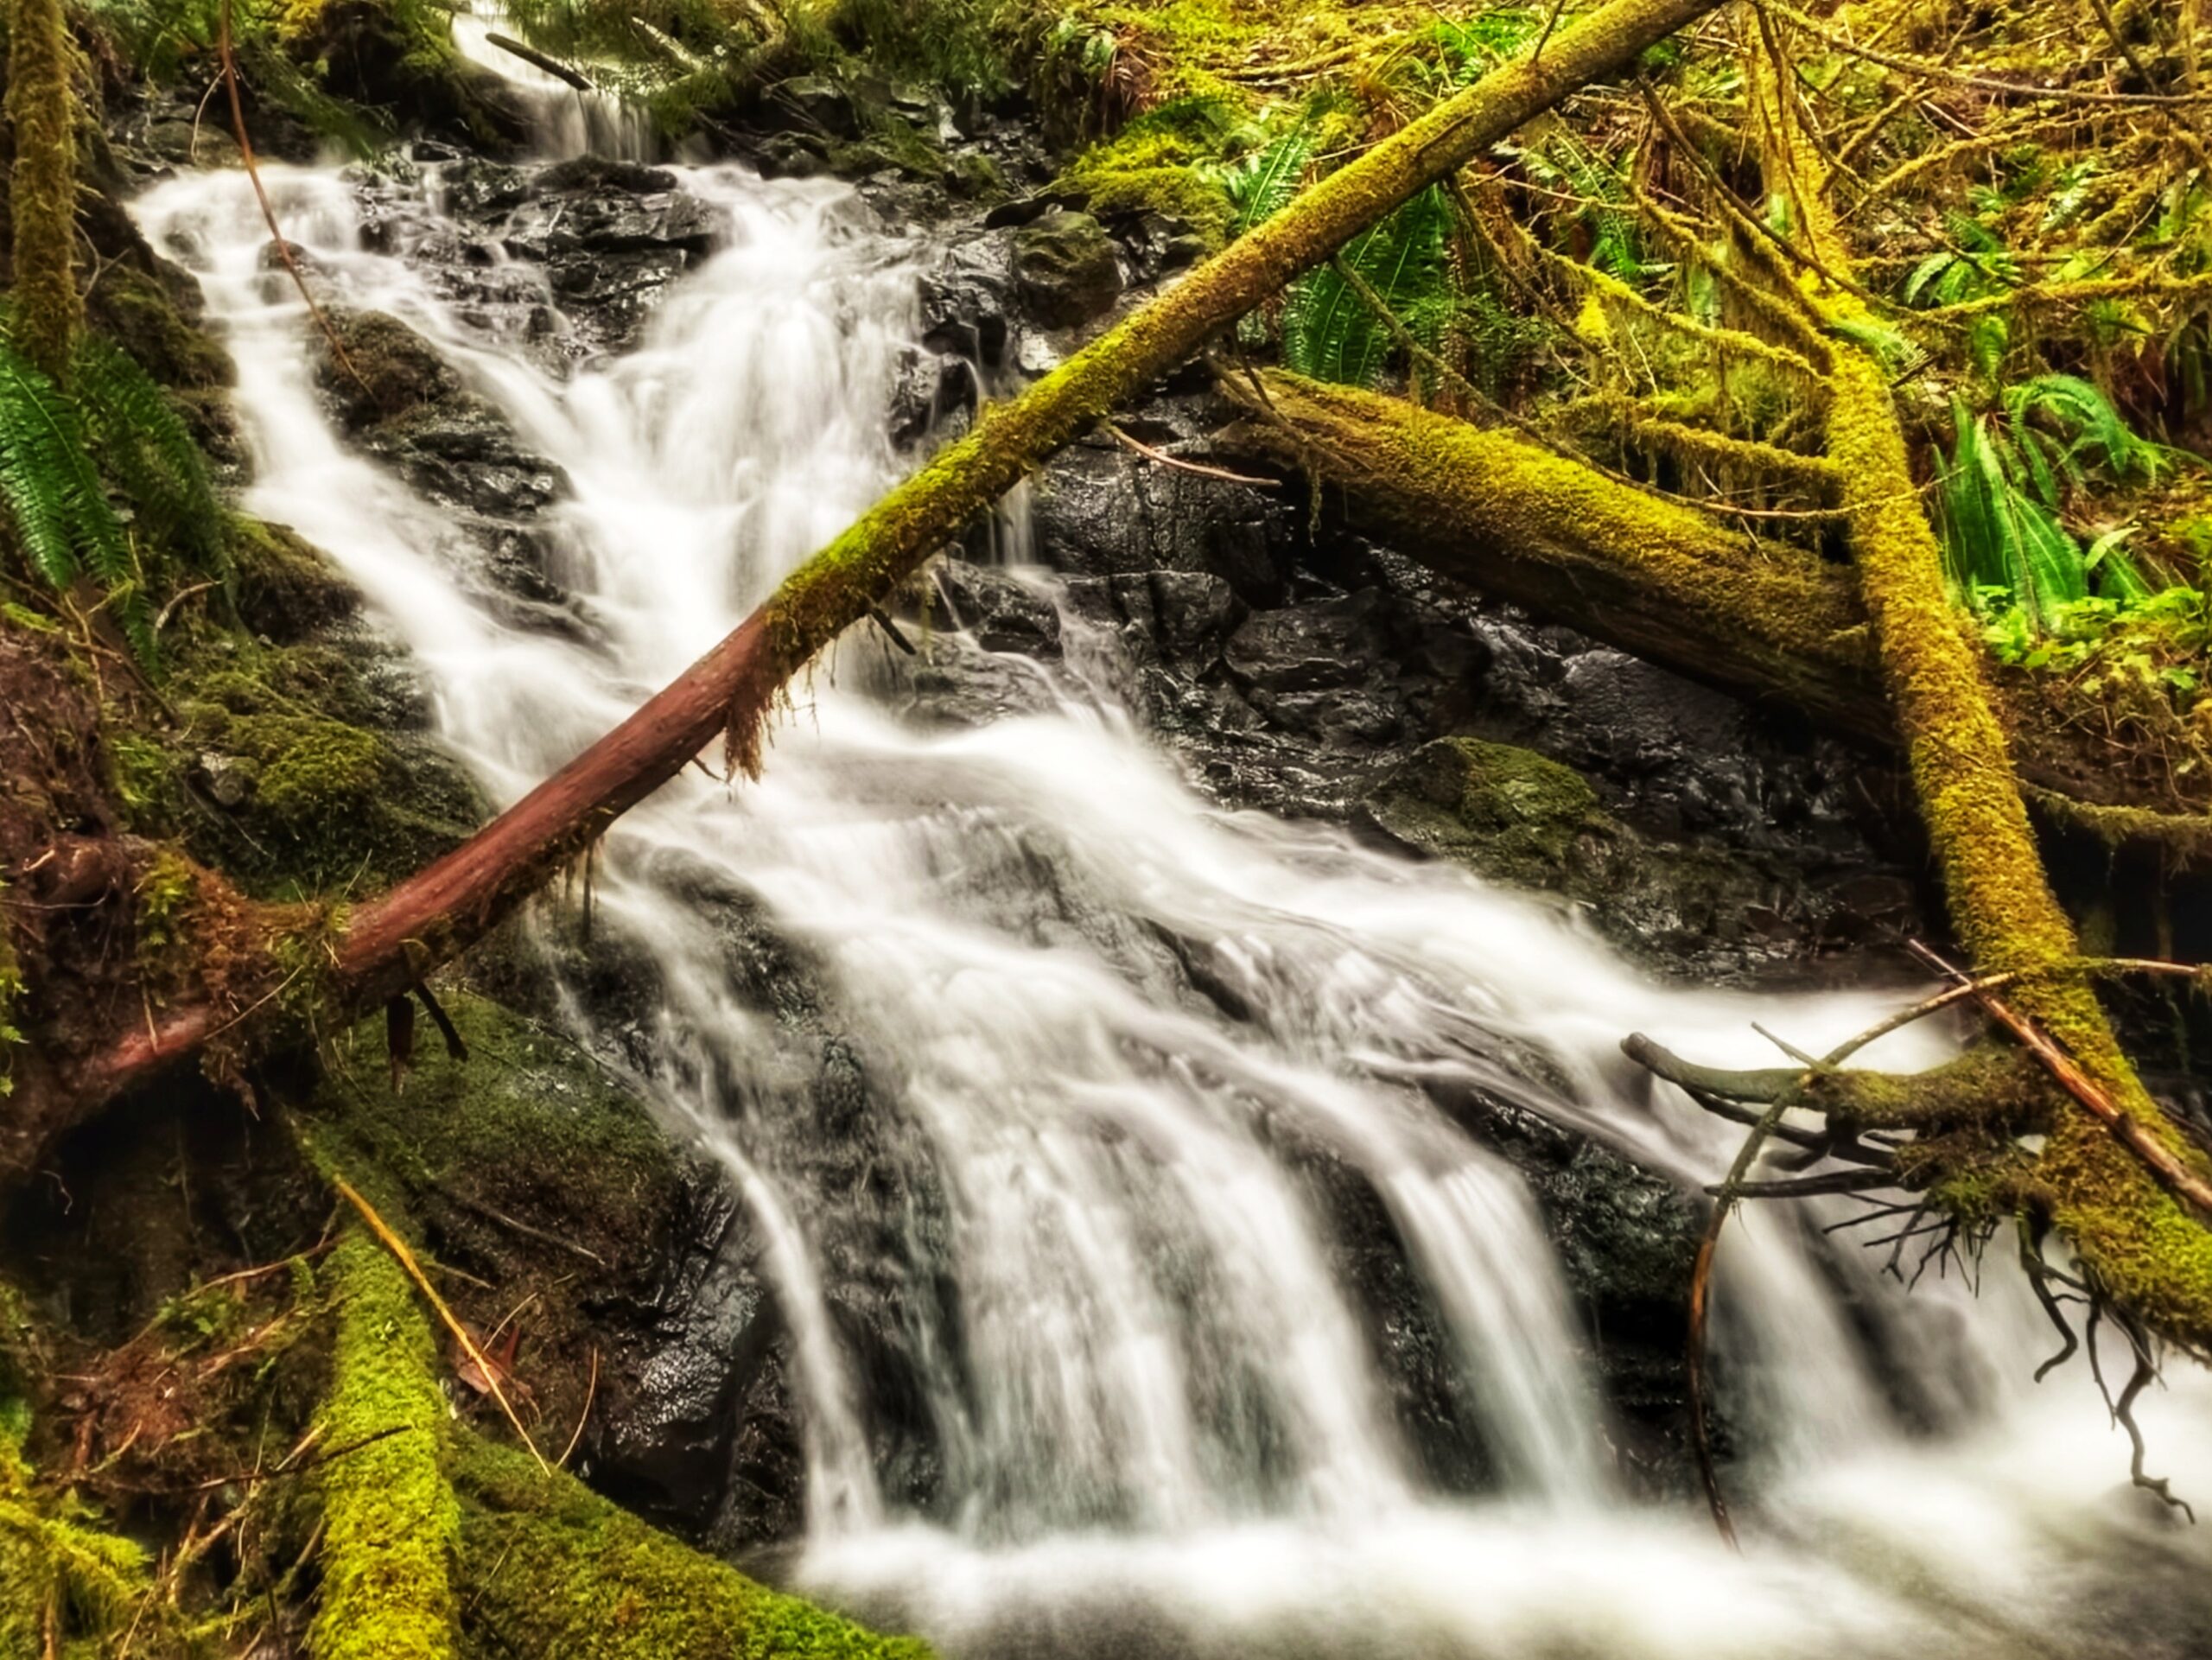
x=149 y=451
x=33 y=422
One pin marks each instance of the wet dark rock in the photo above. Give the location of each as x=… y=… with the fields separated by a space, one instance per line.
x=1514 y=816
x=706 y=1332
x=1100 y=509
x=964 y=299
x=410 y=408
x=1066 y=269
x=608 y=238
x=932 y=390
x=816 y=102
x=791 y=155
x=1001 y=611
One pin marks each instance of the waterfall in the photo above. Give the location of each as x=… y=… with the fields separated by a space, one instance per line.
x=1164 y=1428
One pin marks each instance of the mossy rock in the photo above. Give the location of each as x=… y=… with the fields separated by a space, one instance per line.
x=528 y=1124
x=287 y=589
x=1066 y=269
x=389 y=370
x=1507 y=813
x=1514 y=817
x=148 y=318
x=1159 y=163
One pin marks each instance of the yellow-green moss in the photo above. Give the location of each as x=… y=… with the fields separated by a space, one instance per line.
x=528 y=1122
x=42 y=189
x=1158 y=163
x=68 y=1587
x=391 y=1522
x=11 y=995
x=548 y=1568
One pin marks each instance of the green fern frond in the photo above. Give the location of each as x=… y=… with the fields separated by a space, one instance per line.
x=1997 y=537
x=1330 y=333
x=148 y=452
x=1262 y=184
x=52 y=488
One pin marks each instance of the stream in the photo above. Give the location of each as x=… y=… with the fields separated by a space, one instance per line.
x=1108 y=1026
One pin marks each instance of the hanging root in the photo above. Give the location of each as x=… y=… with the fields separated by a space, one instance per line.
x=1946 y=1144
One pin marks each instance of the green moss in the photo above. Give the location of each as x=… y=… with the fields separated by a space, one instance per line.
x=528 y=1122
x=548 y=1568
x=309 y=795
x=390 y=1522
x=11 y=997
x=1161 y=163
x=68 y=1587
x=42 y=188
x=321 y=772
x=1509 y=813
x=143 y=318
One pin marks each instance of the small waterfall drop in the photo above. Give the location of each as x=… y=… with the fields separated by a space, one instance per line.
x=1163 y=1427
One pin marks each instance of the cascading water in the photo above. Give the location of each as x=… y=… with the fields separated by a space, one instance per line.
x=1164 y=1430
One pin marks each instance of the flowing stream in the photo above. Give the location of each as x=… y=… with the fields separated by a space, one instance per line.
x=1161 y=1416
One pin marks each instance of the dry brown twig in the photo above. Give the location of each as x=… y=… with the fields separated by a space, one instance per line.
x=230 y=68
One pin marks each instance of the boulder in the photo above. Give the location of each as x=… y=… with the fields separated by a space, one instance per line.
x=1066 y=269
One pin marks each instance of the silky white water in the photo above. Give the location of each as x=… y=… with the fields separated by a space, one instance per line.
x=1163 y=1424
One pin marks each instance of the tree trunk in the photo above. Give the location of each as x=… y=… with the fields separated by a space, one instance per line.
x=392 y=942
x=42 y=189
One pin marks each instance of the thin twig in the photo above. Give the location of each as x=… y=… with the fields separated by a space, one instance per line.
x=1182 y=466
x=261 y=194
x=591 y=1394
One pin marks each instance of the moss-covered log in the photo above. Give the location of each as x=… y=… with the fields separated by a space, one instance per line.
x=390 y=1518
x=547 y=1566
x=393 y=941
x=42 y=187
x=1499 y=513
x=2143 y=1248
x=438 y=1544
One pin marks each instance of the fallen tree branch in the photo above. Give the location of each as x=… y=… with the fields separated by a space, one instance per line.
x=540 y=61
x=2135 y=1241
x=392 y=942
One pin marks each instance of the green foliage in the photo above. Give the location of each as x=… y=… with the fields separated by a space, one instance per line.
x=1263 y=182
x=956 y=43
x=2011 y=474
x=1569 y=168
x=11 y=997
x=56 y=500
x=143 y=443
x=2158 y=641
x=53 y=447
x=1997 y=536
x=1975 y=266
x=1330 y=333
